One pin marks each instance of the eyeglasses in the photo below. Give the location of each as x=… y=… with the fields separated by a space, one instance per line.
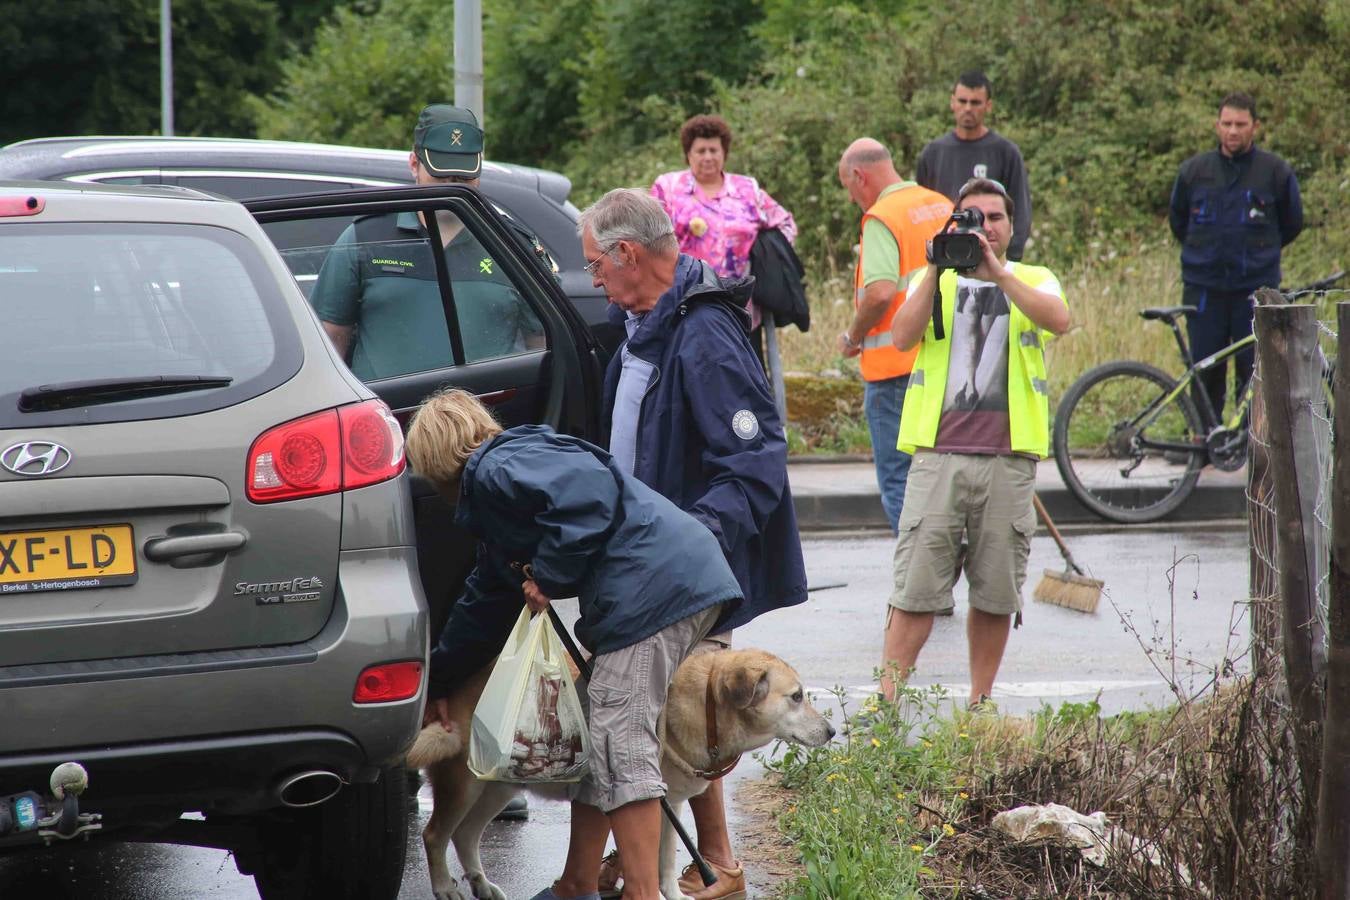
x=981 y=186
x=594 y=265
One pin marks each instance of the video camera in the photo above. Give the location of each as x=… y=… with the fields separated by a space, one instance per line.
x=956 y=246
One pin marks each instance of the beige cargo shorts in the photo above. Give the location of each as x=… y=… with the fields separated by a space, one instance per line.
x=987 y=499
x=623 y=700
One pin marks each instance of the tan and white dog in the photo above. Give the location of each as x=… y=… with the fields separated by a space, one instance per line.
x=721 y=704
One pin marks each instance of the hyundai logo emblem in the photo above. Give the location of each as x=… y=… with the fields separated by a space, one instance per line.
x=35 y=458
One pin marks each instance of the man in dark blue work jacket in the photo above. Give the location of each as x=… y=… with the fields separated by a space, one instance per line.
x=1232 y=208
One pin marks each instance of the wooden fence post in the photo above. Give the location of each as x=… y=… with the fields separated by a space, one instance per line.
x=1290 y=377
x=1333 y=802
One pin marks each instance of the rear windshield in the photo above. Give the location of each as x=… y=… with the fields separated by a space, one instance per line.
x=132 y=301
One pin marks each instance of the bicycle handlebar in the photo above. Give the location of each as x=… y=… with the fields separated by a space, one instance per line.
x=1315 y=286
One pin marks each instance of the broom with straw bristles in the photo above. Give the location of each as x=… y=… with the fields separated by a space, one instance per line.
x=1070 y=588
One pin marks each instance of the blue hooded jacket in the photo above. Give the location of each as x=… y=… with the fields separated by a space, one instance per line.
x=636 y=562
x=709 y=437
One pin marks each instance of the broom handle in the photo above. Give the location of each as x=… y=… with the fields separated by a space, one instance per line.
x=1054 y=533
x=705 y=871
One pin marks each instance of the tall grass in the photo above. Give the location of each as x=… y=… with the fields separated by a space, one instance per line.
x=904 y=806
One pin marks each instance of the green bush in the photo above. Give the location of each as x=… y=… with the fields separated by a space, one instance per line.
x=1105 y=101
x=365 y=78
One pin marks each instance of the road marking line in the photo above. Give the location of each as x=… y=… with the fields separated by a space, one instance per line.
x=1006 y=688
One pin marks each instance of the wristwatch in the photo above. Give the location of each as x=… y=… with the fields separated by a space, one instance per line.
x=849 y=341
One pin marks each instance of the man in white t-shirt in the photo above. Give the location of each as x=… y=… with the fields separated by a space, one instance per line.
x=976 y=418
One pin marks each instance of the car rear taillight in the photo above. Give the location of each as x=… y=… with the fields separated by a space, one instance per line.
x=387 y=682
x=372 y=444
x=338 y=449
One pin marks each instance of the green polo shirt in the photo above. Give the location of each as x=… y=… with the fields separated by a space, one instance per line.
x=880 y=252
x=379 y=277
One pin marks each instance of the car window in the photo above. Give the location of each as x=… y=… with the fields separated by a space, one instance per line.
x=247 y=187
x=377 y=284
x=494 y=320
x=130 y=301
x=130 y=179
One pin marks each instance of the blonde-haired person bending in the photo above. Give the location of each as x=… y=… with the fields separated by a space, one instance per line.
x=446 y=431
x=652 y=582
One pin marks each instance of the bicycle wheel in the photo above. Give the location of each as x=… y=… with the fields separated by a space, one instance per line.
x=1122 y=452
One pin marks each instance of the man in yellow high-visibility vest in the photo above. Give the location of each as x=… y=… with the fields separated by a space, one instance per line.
x=977 y=419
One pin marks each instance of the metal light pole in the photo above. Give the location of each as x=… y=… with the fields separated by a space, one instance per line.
x=165 y=69
x=468 y=56
x=775 y=365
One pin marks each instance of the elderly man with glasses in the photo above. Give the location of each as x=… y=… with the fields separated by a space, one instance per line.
x=688 y=411
x=977 y=419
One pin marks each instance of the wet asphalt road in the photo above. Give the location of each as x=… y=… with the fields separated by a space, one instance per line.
x=1172 y=612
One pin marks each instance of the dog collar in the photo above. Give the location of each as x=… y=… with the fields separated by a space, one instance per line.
x=714 y=770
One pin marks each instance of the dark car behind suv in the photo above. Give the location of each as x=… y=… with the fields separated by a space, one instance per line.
x=248 y=169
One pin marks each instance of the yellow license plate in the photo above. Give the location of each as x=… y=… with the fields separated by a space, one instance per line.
x=65 y=559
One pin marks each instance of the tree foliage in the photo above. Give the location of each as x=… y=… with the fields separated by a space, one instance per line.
x=534 y=60
x=364 y=79
x=654 y=48
x=92 y=66
x=1105 y=101
x=555 y=71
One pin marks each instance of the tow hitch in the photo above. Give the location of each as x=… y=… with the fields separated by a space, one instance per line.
x=53 y=817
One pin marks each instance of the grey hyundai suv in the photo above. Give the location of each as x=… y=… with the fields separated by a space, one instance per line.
x=210 y=592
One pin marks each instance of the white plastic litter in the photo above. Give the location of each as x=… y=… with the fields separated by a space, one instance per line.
x=1059 y=824
x=1093 y=835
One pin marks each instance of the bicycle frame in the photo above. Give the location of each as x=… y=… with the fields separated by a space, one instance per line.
x=1209 y=417
x=1207 y=410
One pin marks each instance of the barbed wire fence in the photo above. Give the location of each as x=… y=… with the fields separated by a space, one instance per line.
x=1296 y=621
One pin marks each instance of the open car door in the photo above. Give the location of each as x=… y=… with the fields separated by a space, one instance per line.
x=429 y=287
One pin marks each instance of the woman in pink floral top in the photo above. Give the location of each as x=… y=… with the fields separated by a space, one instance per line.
x=717 y=214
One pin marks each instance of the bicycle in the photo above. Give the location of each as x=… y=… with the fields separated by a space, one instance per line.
x=1130 y=440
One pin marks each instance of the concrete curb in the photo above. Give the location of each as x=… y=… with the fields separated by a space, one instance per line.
x=852 y=502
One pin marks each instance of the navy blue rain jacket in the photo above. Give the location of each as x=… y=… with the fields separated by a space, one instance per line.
x=694 y=440
x=637 y=563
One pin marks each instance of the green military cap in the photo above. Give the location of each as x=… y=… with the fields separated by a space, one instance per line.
x=448 y=141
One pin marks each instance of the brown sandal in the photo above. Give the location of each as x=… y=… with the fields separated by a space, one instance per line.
x=611 y=876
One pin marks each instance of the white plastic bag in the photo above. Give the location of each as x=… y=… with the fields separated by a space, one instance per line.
x=528 y=725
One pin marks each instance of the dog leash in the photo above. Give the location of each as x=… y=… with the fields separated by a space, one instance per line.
x=705 y=872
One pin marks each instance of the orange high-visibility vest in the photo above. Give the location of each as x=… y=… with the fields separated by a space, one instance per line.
x=913 y=214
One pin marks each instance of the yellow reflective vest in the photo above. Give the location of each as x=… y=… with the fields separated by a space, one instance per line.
x=1028 y=397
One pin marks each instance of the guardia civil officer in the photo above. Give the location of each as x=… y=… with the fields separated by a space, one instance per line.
x=377 y=293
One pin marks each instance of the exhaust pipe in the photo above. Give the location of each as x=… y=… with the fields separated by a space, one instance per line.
x=308 y=788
